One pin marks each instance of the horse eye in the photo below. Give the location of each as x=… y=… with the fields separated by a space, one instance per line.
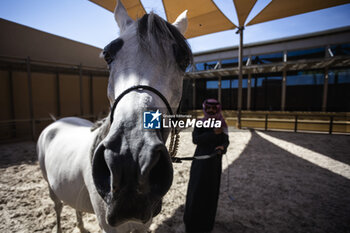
x=111 y=50
x=107 y=56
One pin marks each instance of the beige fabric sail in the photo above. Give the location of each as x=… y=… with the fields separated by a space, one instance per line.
x=243 y=8
x=204 y=17
x=278 y=9
x=134 y=7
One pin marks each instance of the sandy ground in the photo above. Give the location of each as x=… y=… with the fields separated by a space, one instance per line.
x=271 y=182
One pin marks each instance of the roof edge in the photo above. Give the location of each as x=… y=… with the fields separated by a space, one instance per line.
x=282 y=39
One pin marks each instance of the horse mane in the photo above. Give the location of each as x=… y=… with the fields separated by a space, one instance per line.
x=153 y=32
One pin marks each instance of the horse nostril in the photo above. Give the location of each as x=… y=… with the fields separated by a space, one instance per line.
x=100 y=172
x=161 y=173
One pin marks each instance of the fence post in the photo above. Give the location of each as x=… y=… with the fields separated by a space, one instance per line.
x=296 y=124
x=58 y=100
x=81 y=89
x=266 y=121
x=30 y=95
x=331 y=125
x=92 y=96
x=12 y=103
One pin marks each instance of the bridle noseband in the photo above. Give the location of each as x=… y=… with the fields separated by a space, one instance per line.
x=174 y=138
x=140 y=88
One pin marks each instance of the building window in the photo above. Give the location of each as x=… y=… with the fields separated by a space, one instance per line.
x=225 y=84
x=340 y=50
x=305 y=78
x=267 y=58
x=266 y=91
x=234 y=83
x=212 y=84
x=338 y=90
x=304 y=91
x=229 y=63
x=206 y=65
x=306 y=54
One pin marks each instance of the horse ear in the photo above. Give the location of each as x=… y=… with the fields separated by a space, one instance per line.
x=121 y=16
x=181 y=22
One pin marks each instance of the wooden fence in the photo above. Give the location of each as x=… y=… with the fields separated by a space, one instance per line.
x=32 y=90
x=317 y=122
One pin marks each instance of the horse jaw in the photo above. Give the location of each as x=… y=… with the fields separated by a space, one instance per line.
x=121 y=16
x=181 y=22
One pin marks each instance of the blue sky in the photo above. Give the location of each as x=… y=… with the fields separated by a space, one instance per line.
x=83 y=21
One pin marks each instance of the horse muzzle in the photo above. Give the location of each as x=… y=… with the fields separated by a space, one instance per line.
x=132 y=186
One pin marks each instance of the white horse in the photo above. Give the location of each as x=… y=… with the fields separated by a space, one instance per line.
x=117 y=169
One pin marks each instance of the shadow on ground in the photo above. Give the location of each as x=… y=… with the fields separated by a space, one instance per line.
x=332 y=146
x=17 y=153
x=275 y=191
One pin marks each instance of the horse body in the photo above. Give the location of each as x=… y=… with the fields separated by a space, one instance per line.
x=64 y=166
x=120 y=171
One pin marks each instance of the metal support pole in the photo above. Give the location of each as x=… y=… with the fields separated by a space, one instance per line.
x=194 y=94
x=249 y=91
x=283 y=95
x=284 y=83
x=240 y=74
x=30 y=98
x=219 y=90
x=325 y=91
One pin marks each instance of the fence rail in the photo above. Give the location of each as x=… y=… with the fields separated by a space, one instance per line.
x=333 y=123
x=20 y=129
x=27 y=129
x=324 y=122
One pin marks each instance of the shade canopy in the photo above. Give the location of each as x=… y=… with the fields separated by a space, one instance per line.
x=205 y=17
x=278 y=9
x=134 y=7
x=243 y=8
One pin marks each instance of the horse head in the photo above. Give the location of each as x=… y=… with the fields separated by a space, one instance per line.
x=131 y=167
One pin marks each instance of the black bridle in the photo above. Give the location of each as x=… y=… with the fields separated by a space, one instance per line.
x=139 y=88
x=174 y=137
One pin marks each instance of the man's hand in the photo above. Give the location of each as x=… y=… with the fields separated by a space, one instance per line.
x=219 y=149
x=217 y=130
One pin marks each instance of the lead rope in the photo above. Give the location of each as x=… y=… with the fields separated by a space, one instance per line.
x=175 y=134
x=228 y=180
x=174 y=142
